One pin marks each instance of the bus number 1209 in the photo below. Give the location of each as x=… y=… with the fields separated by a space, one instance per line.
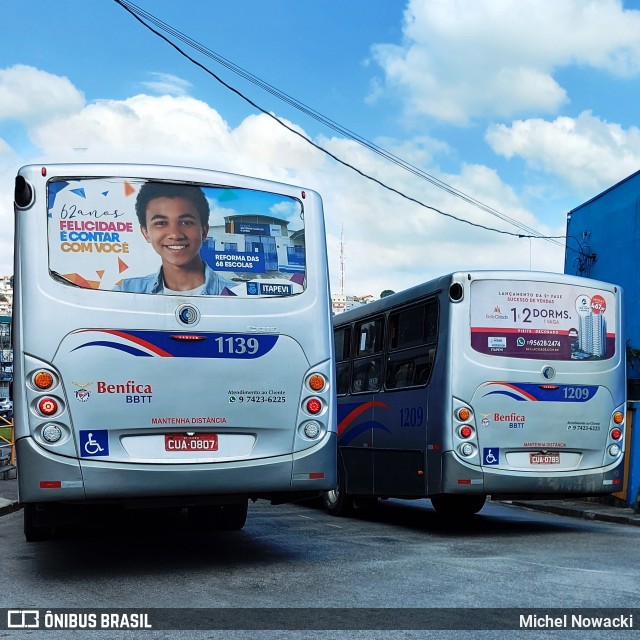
x=576 y=393
x=411 y=417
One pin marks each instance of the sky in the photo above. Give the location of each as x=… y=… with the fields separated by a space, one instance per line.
x=528 y=107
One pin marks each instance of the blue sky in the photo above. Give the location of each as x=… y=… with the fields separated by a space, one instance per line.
x=528 y=106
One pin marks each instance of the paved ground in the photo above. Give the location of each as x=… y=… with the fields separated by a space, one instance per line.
x=587 y=509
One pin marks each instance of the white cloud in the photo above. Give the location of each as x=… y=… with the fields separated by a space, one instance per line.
x=31 y=95
x=587 y=152
x=390 y=242
x=166 y=83
x=462 y=59
x=136 y=128
x=7 y=154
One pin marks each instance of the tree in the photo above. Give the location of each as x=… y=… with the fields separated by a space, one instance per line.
x=386 y=292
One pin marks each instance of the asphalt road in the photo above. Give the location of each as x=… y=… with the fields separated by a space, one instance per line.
x=402 y=555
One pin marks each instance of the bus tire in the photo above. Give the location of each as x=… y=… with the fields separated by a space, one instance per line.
x=218 y=517
x=458 y=506
x=34 y=532
x=338 y=502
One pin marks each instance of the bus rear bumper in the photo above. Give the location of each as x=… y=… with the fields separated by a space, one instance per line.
x=62 y=479
x=461 y=478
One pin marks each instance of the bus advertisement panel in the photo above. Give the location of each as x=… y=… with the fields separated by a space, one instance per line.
x=542 y=320
x=99 y=236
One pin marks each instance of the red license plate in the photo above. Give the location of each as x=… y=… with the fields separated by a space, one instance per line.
x=197 y=442
x=544 y=458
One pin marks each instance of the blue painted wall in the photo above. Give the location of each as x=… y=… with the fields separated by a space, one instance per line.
x=609 y=227
x=603 y=243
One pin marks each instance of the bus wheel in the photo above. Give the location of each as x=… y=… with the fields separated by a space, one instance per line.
x=460 y=506
x=34 y=532
x=338 y=502
x=218 y=517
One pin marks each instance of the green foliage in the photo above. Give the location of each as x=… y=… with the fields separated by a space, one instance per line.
x=386 y=292
x=633 y=356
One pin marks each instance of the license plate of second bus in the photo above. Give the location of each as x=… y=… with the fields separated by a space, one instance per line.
x=196 y=442
x=544 y=458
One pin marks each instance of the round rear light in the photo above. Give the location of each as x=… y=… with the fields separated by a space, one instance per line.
x=614 y=450
x=465 y=431
x=48 y=406
x=467 y=449
x=616 y=434
x=464 y=414
x=316 y=382
x=618 y=417
x=42 y=380
x=51 y=432
x=312 y=430
x=314 y=405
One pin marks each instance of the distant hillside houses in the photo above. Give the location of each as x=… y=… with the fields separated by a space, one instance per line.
x=341 y=302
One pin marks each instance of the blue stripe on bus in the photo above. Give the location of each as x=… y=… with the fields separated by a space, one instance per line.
x=165 y=345
x=348 y=413
x=530 y=392
x=353 y=432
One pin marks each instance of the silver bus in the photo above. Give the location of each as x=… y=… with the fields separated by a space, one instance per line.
x=503 y=384
x=172 y=342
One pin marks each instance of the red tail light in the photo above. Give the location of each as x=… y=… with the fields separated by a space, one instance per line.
x=48 y=406
x=314 y=406
x=466 y=431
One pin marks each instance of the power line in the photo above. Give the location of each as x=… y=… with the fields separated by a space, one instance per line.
x=137 y=12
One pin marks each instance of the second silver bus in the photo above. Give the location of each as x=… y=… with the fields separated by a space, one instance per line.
x=508 y=384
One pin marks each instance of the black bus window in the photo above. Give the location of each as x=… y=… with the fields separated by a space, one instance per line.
x=409 y=368
x=375 y=371
x=400 y=374
x=366 y=375
x=431 y=323
x=341 y=342
x=369 y=337
x=342 y=378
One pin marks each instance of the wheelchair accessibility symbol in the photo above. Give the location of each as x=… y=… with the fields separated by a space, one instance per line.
x=490 y=456
x=94 y=443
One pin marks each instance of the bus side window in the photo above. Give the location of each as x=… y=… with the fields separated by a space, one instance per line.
x=367 y=375
x=400 y=374
x=342 y=378
x=413 y=335
x=369 y=337
x=375 y=371
x=342 y=342
x=424 y=364
x=367 y=368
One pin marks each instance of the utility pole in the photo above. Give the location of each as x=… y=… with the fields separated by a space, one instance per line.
x=342 y=259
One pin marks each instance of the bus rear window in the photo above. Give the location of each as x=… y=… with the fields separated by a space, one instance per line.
x=542 y=320
x=142 y=236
